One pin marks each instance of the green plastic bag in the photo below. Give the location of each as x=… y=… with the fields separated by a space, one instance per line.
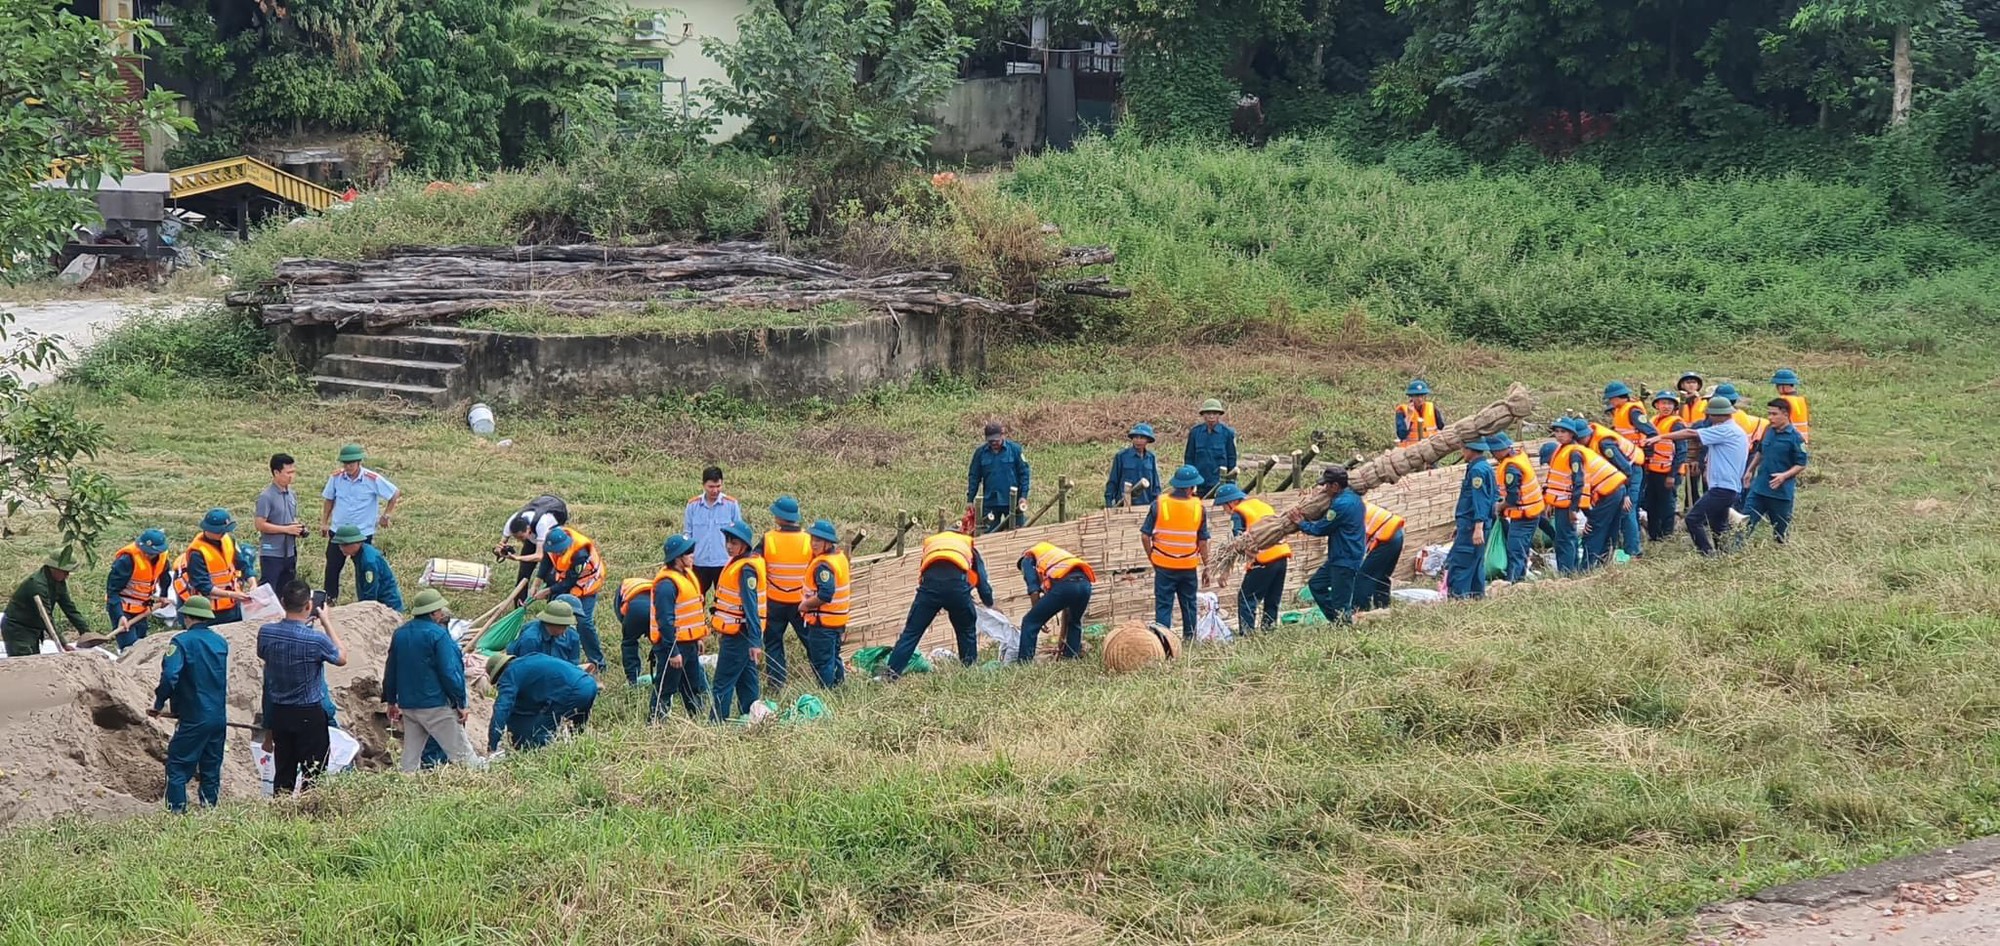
x=807 y=707
x=874 y=661
x=501 y=633
x=1496 y=550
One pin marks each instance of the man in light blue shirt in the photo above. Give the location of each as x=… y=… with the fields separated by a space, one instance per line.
x=356 y=496
x=1728 y=454
x=707 y=515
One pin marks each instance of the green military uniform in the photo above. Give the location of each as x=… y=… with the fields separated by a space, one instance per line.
x=23 y=628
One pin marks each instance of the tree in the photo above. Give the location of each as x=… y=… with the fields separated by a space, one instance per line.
x=62 y=102
x=1900 y=16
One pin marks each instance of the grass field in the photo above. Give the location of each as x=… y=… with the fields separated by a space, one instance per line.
x=1581 y=762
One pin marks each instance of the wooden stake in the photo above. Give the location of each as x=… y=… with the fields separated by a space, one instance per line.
x=1257 y=482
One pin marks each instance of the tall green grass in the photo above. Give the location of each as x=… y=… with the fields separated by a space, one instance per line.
x=1218 y=238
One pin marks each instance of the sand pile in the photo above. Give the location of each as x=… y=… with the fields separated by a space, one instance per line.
x=74 y=735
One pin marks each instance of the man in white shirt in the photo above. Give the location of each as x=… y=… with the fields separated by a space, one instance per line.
x=1727 y=449
x=707 y=515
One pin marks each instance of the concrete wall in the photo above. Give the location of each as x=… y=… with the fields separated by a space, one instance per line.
x=989 y=119
x=694 y=19
x=778 y=364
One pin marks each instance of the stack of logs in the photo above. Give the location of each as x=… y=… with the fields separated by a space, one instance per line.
x=441 y=283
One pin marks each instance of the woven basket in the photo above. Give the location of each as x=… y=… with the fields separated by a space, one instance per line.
x=1138 y=644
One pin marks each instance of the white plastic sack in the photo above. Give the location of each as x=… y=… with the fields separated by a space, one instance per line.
x=340 y=758
x=263 y=606
x=1430 y=560
x=1000 y=629
x=1416 y=595
x=1209 y=626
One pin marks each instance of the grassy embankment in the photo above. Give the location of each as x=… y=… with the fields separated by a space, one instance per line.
x=1575 y=763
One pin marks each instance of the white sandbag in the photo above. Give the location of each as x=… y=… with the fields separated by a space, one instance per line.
x=1209 y=626
x=999 y=628
x=1417 y=595
x=456 y=576
x=1430 y=559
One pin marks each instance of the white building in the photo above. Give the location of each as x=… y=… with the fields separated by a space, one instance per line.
x=676 y=28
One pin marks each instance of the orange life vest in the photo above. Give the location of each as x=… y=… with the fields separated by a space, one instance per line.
x=786 y=555
x=1601 y=479
x=1625 y=420
x=1055 y=563
x=1381 y=524
x=137 y=595
x=1660 y=457
x=593 y=571
x=1531 y=506
x=1600 y=433
x=1693 y=409
x=834 y=611
x=1801 y=415
x=689 y=623
x=730 y=616
x=632 y=588
x=951 y=547
x=1253 y=511
x=1177 y=533
x=220 y=557
x=1753 y=427
x=1420 y=424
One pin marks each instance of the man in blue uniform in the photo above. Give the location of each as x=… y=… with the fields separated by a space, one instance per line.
x=423 y=684
x=1478 y=497
x=194 y=677
x=1059 y=582
x=136 y=582
x=949 y=569
x=534 y=696
x=738 y=617
x=998 y=471
x=1134 y=468
x=1175 y=535
x=1345 y=527
x=678 y=629
x=553 y=632
x=1779 y=463
x=1211 y=446
x=373 y=580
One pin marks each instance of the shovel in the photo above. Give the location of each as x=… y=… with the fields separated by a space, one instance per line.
x=49 y=623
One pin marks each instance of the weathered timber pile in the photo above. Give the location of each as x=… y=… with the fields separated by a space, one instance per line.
x=440 y=283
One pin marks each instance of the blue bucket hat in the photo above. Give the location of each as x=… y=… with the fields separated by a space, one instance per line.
x=1482 y=445
x=1499 y=442
x=786 y=509
x=1230 y=493
x=218 y=521
x=1686 y=375
x=1143 y=430
x=1785 y=376
x=558 y=541
x=823 y=529
x=1548 y=451
x=1417 y=387
x=1728 y=391
x=676 y=546
x=1187 y=477
x=1617 y=389
x=740 y=531
x=152 y=542
x=1574 y=425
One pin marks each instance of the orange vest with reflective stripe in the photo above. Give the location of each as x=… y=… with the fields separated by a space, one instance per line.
x=1801 y=415
x=1381 y=524
x=1694 y=410
x=1599 y=434
x=137 y=595
x=593 y=570
x=632 y=588
x=1625 y=420
x=834 y=611
x=952 y=547
x=1421 y=424
x=221 y=564
x=786 y=555
x=1055 y=563
x=1753 y=427
x=729 y=616
x=689 y=622
x=1177 y=533
x=1253 y=511
x=1531 y=506
x=1660 y=457
x=1601 y=479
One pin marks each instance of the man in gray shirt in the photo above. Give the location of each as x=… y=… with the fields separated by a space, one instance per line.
x=278 y=525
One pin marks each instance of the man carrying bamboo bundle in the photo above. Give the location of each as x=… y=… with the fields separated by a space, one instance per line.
x=136 y=582
x=1263 y=585
x=786 y=551
x=1135 y=471
x=739 y=617
x=1521 y=503
x=827 y=603
x=1345 y=527
x=1175 y=536
x=678 y=626
x=949 y=570
x=1478 y=497
x=1058 y=583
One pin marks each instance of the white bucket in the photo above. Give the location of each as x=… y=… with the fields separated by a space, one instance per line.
x=481 y=419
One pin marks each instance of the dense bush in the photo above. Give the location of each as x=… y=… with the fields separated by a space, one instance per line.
x=1216 y=239
x=155 y=354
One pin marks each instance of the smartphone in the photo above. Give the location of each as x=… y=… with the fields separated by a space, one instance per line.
x=319 y=601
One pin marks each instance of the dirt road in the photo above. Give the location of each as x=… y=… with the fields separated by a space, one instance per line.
x=1944 y=898
x=77 y=322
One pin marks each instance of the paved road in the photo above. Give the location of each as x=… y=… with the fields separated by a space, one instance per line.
x=77 y=322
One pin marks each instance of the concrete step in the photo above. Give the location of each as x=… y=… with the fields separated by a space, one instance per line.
x=410 y=347
x=331 y=388
x=430 y=374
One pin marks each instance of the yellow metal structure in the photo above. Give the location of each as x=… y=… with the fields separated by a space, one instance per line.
x=248 y=171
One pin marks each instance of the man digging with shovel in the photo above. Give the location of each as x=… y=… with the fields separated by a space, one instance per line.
x=27 y=618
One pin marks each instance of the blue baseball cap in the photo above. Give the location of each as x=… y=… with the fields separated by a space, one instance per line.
x=558 y=540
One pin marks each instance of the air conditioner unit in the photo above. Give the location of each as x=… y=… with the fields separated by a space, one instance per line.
x=660 y=30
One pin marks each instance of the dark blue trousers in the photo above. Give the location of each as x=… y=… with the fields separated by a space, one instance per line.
x=133 y=634
x=1520 y=541
x=1378 y=572
x=941 y=588
x=1710 y=514
x=1263 y=589
x=1562 y=522
x=823 y=649
x=1628 y=523
x=1171 y=585
x=635 y=631
x=586 y=630
x=195 y=751
x=1465 y=565
x=1068 y=597
x=1779 y=511
x=735 y=678
x=781 y=620
x=1333 y=590
x=1657 y=497
x=1605 y=519
x=688 y=681
x=534 y=730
